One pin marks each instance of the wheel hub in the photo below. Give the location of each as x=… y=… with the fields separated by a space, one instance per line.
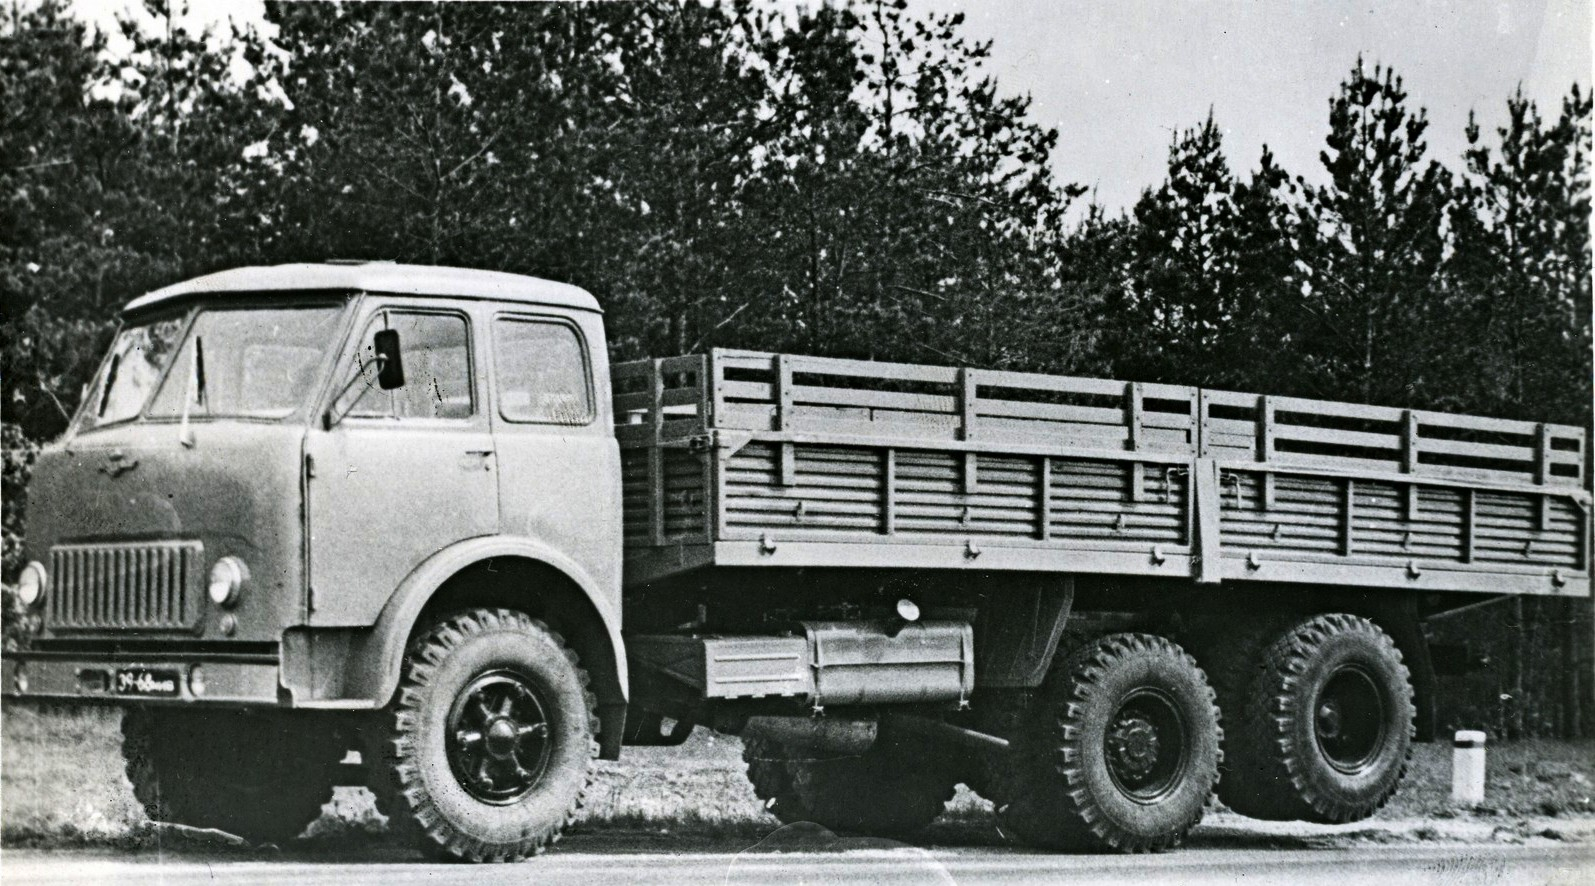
x=498 y=739
x=501 y=737
x=1145 y=746
x=1134 y=741
x=1349 y=719
x=1329 y=720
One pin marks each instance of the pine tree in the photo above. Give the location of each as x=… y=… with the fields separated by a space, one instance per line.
x=1181 y=298
x=1209 y=258
x=1519 y=273
x=1520 y=270
x=1372 y=240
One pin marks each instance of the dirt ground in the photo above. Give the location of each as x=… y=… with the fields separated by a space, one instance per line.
x=61 y=784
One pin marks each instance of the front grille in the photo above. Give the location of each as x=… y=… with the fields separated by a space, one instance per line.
x=126 y=586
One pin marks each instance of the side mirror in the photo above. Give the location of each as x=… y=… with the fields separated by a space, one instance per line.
x=390 y=365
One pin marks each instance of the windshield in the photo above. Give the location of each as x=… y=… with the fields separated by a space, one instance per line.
x=138 y=356
x=235 y=363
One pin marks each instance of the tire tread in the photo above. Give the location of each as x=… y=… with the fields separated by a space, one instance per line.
x=1275 y=783
x=401 y=794
x=1053 y=805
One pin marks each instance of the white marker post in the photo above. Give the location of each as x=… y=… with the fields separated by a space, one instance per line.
x=1467 y=768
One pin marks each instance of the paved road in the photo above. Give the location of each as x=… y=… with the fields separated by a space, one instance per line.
x=1407 y=865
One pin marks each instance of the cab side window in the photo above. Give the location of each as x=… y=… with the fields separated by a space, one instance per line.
x=542 y=372
x=437 y=369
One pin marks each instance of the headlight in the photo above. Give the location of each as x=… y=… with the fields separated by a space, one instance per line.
x=227 y=580
x=32 y=583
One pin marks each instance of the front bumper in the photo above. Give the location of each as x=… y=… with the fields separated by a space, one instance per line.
x=60 y=677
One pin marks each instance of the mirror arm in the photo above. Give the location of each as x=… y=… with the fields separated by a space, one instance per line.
x=328 y=420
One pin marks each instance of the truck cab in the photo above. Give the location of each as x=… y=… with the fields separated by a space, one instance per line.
x=277 y=471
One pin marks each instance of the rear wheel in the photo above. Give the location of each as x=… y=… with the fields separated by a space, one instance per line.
x=894 y=789
x=1231 y=652
x=770 y=773
x=1327 y=725
x=262 y=777
x=488 y=749
x=1120 y=751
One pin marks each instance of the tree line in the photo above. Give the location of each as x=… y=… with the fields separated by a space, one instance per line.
x=847 y=180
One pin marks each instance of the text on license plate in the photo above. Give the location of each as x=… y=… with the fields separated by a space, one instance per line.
x=144 y=681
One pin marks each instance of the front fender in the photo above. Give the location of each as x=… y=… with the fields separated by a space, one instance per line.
x=372 y=658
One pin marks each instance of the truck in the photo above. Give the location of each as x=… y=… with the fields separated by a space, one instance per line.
x=407 y=527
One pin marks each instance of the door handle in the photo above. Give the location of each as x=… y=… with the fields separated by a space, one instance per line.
x=484 y=457
x=482 y=452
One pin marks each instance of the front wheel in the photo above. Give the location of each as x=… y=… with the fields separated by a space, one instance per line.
x=1120 y=752
x=488 y=749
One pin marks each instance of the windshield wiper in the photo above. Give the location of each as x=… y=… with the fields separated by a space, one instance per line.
x=199 y=374
x=196 y=391
x=110 y=382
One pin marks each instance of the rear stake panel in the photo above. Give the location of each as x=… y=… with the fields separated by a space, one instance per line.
x=749 y=459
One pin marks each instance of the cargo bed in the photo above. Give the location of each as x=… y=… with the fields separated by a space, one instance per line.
x=738 y=458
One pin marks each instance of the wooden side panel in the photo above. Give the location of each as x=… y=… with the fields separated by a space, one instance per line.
x=798 y=455
x=931 y=496
x=1091 y=500
x=1505 y=531
x=842 y=491
x=1305 y=516
x=1309 y=513
x=834 y=489
x=685 y=512
x=1385 y=529
x=636 y=496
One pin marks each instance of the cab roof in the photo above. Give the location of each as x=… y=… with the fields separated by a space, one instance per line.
x=383 y=277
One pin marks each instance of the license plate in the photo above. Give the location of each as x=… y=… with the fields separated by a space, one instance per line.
x=146 y=681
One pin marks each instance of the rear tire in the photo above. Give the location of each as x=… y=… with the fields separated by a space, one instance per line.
x=1120 y=752
x=261 y=777
x=489 y=747
x=894 y=789
x=770 y=773
x=1327 y=726
x=1232 y=653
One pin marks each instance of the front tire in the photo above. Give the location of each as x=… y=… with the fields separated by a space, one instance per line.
x=1327 y=725
x=1120 y=752
x=489 y=746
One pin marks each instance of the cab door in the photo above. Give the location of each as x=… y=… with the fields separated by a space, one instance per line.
x=403 y=473
x=559 y=463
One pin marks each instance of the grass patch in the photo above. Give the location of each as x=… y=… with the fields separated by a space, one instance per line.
x=1536 y=777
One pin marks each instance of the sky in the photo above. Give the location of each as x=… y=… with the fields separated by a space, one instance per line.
x=1119 y=79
